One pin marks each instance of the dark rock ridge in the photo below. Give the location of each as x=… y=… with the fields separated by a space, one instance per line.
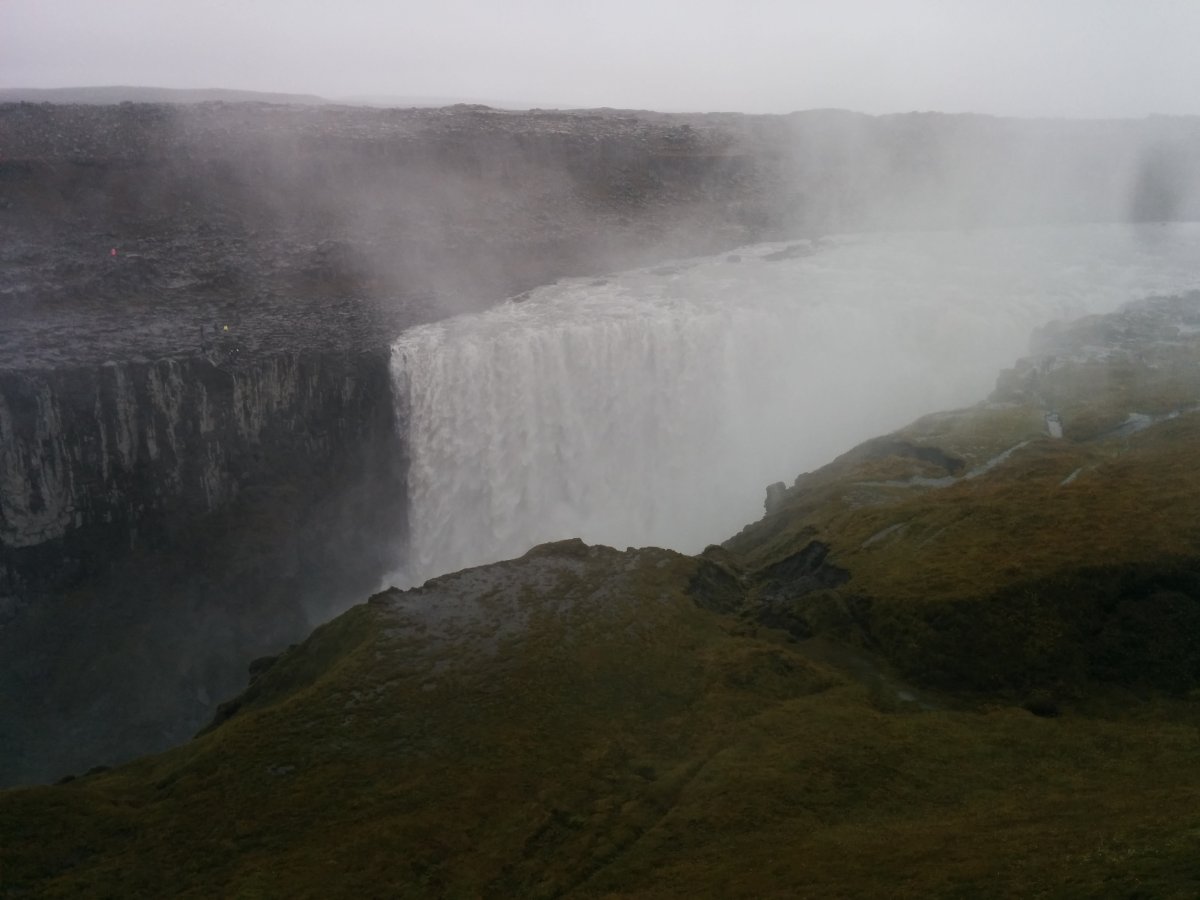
x=113 y=94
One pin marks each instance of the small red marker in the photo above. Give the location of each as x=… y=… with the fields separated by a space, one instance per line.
x=113 y=252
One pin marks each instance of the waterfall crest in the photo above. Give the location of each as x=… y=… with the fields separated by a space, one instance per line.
x=653 y=406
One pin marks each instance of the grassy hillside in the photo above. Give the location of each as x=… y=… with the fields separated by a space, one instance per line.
x=960 y=661
x=986 y=553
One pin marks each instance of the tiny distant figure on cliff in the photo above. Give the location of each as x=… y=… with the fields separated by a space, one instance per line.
x=112 y=252
x=223 y=347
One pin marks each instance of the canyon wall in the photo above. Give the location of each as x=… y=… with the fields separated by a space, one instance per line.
x=96 y=461
x=166 y=522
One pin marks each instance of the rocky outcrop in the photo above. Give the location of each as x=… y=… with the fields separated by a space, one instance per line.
x=779 y=586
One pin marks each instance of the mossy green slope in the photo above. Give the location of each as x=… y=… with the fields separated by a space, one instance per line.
x=583 y=722
x=573 y=724
x=984 y=551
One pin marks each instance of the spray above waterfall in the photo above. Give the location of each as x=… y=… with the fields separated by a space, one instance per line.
x=653 y=406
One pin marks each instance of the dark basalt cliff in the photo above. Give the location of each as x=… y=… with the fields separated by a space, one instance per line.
x=197 y=442
x=164 y=522
x=96 y=461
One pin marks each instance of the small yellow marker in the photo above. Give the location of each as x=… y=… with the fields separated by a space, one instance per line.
x=226 y=327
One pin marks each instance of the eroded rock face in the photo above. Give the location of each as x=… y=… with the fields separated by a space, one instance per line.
x=101 y=460
x=775 y=494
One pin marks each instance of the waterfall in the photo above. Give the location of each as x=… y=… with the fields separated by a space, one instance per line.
x=653 y=406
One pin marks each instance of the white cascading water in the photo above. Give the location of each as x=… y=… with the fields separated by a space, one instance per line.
x=654 y=406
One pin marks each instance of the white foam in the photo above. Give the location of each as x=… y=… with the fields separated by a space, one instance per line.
x=653 y=408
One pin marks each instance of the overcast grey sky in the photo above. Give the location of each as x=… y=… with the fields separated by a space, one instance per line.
x=1007 y=57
